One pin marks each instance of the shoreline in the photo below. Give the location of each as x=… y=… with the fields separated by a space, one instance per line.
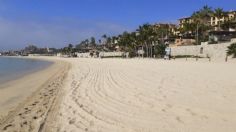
x=28 y=90
x=17 y=76
x=11 y=84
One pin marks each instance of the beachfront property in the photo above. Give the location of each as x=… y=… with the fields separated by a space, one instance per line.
x=215 y=21
x=216 y=33
x=185 y=20
x=212 y=21
x=189 y=37
x=171 y=28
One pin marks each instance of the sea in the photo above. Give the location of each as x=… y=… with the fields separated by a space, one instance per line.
x=12 y=68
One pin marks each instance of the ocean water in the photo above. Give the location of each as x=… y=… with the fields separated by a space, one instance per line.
x=13 y=68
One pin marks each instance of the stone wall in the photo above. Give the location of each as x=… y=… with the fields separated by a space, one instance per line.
x=101 y=54
x=111 y=54
x=83 y=55
x=203 y=50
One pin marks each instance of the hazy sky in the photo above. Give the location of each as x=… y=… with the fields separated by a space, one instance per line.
x=55 y=23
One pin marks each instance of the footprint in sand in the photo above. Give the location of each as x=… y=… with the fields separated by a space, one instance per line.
x=72 y=121
x=7 y=126
x=179 y=119
x=163 y=110
x=191 y=112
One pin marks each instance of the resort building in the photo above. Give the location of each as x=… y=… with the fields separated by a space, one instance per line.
x=172 y=28
x=185 y=20
x=215 y=21
x=221 y=31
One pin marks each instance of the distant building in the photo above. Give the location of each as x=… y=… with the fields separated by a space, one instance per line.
x=172 y=28
x=215 y=21
x=188 y=38
x=185 y=20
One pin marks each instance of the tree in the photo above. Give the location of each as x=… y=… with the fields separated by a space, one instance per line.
x=148 y=35
x=232 y=50
x=31 y=49
x=114 y=39
x=219 y=13
x=109 y=41
x=203 y=15
x=189 y=28
x=160 y=50
x=104 y=37
x=92 y=41
x=201 y=18
x=68 y=49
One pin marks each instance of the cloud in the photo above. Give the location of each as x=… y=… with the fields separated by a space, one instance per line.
x=16 y=34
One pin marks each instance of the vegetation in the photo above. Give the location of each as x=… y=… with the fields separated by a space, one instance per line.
x=232 y=50
x=200 y=23
x=152 y=38
x=160 y=50
x=199 y=26
x=219 y=13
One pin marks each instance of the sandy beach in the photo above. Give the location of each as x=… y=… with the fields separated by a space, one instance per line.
x=118 y=95
x=30 y=97
x=132 y=95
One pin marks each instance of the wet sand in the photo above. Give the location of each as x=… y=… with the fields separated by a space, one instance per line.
x=25 y=102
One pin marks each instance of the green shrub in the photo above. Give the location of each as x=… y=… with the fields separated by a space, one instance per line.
x=187 y=56
x=159 y=50
x=232 y=50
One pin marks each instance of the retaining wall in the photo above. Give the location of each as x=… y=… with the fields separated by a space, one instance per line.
x=203 y=50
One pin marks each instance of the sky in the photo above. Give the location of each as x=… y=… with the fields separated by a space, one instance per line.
x=56 y=23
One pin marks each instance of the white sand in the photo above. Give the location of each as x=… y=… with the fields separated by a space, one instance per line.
x=117 y=95
x=140 y=95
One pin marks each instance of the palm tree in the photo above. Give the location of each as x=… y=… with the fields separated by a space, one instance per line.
x=86 y=41
x=93 y=41
x=70 y=47
x=113 y=39
x=104 y=37
x=109 y=41
x=201 y=19
x=232 y=50
x=99 y=41
x=219 y=13
x=142 y=35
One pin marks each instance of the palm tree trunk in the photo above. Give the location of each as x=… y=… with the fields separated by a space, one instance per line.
x=151 y=52
x=147 y=50
x=219 y=26
x=142 y=51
